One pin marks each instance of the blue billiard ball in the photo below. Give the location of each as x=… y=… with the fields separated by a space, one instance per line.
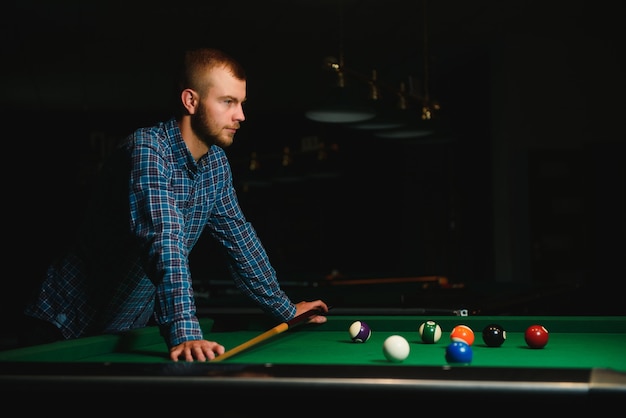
x=458 y=352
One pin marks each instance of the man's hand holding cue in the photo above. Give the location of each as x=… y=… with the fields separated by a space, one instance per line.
x=311 y=312
x=318 y=305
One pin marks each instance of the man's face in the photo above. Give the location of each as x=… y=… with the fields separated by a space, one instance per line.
x=220 y=112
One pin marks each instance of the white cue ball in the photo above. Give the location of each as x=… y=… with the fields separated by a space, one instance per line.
x=396 y=348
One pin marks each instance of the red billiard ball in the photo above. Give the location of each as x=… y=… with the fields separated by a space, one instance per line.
x=494 y=335
x=536 y=336
x=462 y=333
x=360 y=332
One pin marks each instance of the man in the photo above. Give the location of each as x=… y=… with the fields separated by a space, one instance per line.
x=154 y=197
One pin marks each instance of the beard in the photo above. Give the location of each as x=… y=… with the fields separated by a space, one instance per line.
x=202 y=126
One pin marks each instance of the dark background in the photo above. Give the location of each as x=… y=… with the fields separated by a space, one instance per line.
x=525 y=187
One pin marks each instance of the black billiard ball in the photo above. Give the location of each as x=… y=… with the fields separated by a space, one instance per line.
x=494 y=335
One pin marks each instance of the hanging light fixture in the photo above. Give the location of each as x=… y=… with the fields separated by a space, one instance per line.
x=342 y=105
x=414 y=113
x=425 y=124
x=387 y=117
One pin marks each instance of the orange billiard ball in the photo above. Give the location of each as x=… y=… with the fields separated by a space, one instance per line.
x=462 y=333
x=536 y=336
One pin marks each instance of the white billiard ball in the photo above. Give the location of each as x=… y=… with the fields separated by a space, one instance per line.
x=396 y=348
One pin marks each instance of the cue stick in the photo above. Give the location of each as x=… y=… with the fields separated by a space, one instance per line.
x=434 y=279
x=278 y=329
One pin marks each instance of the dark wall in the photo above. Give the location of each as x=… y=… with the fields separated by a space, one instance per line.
x=552 y=80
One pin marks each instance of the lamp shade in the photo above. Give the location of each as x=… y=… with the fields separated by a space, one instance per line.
x=386 y=118
x=341 y=105
x=405 y=132
x=340 y=114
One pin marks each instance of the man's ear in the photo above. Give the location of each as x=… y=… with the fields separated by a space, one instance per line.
x=189 y=99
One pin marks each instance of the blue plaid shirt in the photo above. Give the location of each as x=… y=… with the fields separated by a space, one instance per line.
x=151 y=203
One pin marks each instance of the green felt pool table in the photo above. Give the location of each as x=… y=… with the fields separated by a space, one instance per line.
x=584 y=362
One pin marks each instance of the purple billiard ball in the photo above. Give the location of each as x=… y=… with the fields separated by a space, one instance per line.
x=360 y=332
x=458 y=352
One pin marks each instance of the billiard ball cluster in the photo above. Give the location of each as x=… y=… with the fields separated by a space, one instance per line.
x=459 y=351
x=396 y=348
